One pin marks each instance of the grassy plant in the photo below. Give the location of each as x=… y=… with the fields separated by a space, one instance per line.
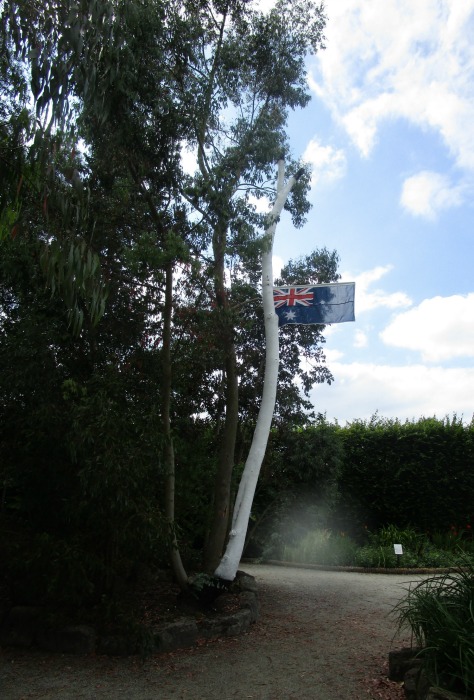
x=440 y=613
x=436 y=558
x=389 y=535
x=454 y=540
x=322 y=547
x=373 y=557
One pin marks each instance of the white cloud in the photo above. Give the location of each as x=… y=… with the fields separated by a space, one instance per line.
x=188 y=160
x=360 y=339
x=367 y=299
x=406 y=393
x=328 y=163
x=440 y=328
x=427 y=193
x=262 y=204
x=332 y=355
x=401 y=59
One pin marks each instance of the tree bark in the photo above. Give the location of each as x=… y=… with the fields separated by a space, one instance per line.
x=225 y=465
x=168 y=457
x=229 y=563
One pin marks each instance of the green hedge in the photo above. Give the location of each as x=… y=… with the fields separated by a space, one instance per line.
x=363 y=477
x=413 y=473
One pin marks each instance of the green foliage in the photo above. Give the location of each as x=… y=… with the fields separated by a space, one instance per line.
x=373 y=556
x=322 y=547
x=409 y=483
x=454 y=539
x=75 y=275
x=81 y=484
x=440 y=613
x=203 y=581
x=87 y=234
x=98 y=99
x=54 y=571
x=389 y=535
x=409 y=474
x=298 y=488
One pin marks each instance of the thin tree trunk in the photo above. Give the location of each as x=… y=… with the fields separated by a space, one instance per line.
x=169 y=464
x=229 y=563
x=225 y=465
x=223 y=479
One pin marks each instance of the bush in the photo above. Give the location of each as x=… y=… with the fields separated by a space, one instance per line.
x=389 y=535
x=454 y=539
x=322 y=547
x=418 y=473
x=375 y=557
x=440 y=613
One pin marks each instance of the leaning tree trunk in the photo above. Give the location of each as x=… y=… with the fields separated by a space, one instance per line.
x=229 y=563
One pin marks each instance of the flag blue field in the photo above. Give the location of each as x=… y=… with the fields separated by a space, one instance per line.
x=322 y=303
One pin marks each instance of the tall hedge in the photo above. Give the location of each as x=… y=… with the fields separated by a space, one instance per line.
x=413 y=473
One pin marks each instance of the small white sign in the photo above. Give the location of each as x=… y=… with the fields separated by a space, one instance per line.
x=398 y=549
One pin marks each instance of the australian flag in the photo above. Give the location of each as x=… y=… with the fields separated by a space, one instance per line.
x=323 y=303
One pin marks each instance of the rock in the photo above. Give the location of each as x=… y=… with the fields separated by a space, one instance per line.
x=225 y=625
x=237 y=623
x=407 y=664
x=402 y=660
x=245 y=582
x=249 y=600
x=416 y=684
x=229 y=614
x=175 y=635
x=211 y=627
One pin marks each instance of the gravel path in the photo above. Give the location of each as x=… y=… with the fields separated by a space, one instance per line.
x=322 y=635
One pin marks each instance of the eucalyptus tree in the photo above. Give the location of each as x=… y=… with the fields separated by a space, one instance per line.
x=134 y=153
x=246 y=72
x=45 y=47
x=139 y=83
x=102 y=160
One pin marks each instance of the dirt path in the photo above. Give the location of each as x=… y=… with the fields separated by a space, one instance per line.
x=321 y=636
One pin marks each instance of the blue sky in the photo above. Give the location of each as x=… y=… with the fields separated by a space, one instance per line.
x=390 y=136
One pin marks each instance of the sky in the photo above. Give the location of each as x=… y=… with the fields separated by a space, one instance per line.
x=389 y=133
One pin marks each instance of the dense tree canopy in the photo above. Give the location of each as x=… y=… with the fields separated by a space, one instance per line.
x=130 y=329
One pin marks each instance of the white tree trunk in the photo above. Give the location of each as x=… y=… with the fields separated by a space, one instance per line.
x=228 y=566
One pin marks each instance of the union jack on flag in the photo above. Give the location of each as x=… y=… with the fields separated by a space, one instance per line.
x=292 y=296
x=321 y=303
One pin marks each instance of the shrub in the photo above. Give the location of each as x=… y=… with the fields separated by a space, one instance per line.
x=435 y=558
x=454 y=539
x=322 y=547
x=440 y=613
x=418 y=473
x=373 y=557
x=389 y=535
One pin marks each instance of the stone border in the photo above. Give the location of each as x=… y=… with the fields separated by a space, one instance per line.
x=406 y=665
x=25 y=626
x=351 y=569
